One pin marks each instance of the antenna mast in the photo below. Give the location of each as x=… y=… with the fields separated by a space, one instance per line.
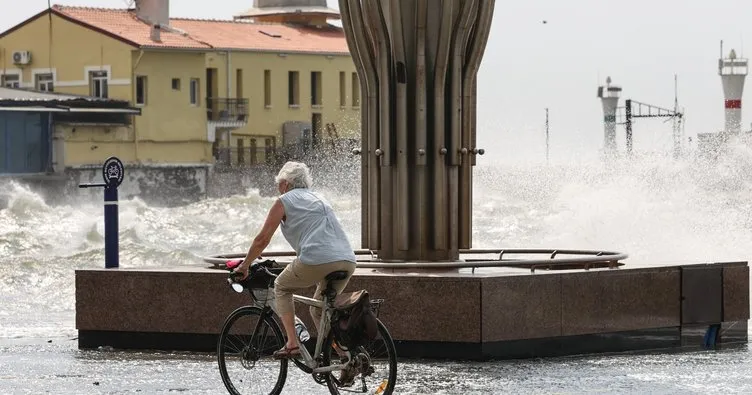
x=547 y=146
x=678 y=137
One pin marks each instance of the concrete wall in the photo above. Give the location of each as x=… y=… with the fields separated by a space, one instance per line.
x=158 y=185
x=80 y=144
x=446 y=313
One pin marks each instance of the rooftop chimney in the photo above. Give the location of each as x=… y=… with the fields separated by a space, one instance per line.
x=155 y=33
x=154 y=12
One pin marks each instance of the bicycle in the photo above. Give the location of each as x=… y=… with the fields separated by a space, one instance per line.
x=251 y=349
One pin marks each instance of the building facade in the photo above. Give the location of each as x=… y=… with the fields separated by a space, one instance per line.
x=212 y=93
x=39 y=129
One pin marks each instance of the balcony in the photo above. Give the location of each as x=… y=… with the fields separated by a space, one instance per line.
x=226 y=110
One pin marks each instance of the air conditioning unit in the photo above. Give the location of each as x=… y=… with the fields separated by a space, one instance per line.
x=21 y=57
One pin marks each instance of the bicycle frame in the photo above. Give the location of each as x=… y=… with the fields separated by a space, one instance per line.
x=324 y=328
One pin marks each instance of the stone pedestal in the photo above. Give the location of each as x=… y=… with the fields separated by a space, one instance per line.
x=491 y=313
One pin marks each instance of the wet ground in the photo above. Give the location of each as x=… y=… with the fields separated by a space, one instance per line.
x=57 y=366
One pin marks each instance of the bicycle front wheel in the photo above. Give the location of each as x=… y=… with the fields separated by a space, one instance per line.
x=244 y=353
x=377 y=372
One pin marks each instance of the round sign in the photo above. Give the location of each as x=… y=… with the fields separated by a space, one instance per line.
x=113 y=172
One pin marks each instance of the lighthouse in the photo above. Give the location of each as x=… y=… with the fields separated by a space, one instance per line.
x=733 y=71
x=609 y=95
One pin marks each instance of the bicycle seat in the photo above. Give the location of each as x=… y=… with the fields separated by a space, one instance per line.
x=338 y=275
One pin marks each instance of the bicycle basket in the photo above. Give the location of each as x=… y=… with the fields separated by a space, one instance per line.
x=261 y=280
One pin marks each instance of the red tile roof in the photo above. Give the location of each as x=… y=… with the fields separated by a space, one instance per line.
x=265 y=36
x=124 y=24
x=207 y=34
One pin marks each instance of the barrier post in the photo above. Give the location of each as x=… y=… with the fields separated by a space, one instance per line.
x=112 y=172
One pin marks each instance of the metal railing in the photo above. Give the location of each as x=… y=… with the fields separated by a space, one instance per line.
x=583 y=259
x=244 y=156
x=227 y=109
x=276 y=155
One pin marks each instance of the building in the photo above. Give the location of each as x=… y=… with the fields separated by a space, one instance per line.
x=210 y=92
x=39 y=130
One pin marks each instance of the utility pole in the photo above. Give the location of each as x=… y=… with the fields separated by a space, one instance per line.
x=677 y=132
x=547 y=135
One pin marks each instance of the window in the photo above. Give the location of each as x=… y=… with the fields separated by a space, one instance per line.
x=10 y=80
x=140 y=90
x=98 y=83
x=254 y=148
x=194 y=91
x=267 y=88
x=268 y=150
x=241 y=152
x=239 y=83
x=176 y=84
x=342 y=89
x=315 y=88
x=44 y=82
x=355 y=90
x=293 y=94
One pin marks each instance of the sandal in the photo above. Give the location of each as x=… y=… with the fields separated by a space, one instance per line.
x=285 y=353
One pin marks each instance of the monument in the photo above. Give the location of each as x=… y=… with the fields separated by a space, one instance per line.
x=418 y=67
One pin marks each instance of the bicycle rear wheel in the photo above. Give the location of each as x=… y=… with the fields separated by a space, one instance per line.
x=378 y=372
x=244 y=353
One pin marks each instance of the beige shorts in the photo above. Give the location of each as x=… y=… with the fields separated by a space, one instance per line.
x=299 y=275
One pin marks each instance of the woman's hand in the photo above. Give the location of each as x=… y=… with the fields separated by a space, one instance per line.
x=242 y=269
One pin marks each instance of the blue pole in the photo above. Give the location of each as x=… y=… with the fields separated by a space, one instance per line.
x=111 y=236
x=112 y=172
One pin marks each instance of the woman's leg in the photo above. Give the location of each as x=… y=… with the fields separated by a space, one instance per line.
x=322 y=271
x=286 y=283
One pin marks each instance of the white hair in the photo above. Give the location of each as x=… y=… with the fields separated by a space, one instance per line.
x=296 y=174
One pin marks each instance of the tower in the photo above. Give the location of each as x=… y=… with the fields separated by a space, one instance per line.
x=418 y=62
x=301 y=12
x=609 y=95
x=733 y=71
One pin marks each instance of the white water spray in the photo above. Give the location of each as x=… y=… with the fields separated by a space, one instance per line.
x=654 y=209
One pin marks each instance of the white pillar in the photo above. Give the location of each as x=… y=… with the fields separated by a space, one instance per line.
x=609 y=95
x=733 y=72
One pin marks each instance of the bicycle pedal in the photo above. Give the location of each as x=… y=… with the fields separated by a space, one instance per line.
x=347 y=377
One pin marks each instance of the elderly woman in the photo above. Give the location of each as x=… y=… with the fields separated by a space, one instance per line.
x=310 y=226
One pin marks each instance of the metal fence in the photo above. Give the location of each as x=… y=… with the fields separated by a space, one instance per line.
x=226 y=109
x=243 y=157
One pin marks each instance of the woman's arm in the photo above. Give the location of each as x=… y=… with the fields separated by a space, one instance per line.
x=261 y=241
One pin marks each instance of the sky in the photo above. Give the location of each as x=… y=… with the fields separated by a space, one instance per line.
x=530 y=65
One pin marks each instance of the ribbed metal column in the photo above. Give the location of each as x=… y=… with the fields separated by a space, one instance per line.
x=417 y=66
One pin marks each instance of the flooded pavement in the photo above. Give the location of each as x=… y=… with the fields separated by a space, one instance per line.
x=38 y=366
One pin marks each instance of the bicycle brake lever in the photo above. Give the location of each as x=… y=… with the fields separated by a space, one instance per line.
x=266 y=270
x=234 y=277
x=268 y=263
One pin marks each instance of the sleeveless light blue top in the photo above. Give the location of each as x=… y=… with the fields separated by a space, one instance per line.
x=312 y=229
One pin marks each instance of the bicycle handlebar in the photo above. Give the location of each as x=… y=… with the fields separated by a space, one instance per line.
x=255 y=268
